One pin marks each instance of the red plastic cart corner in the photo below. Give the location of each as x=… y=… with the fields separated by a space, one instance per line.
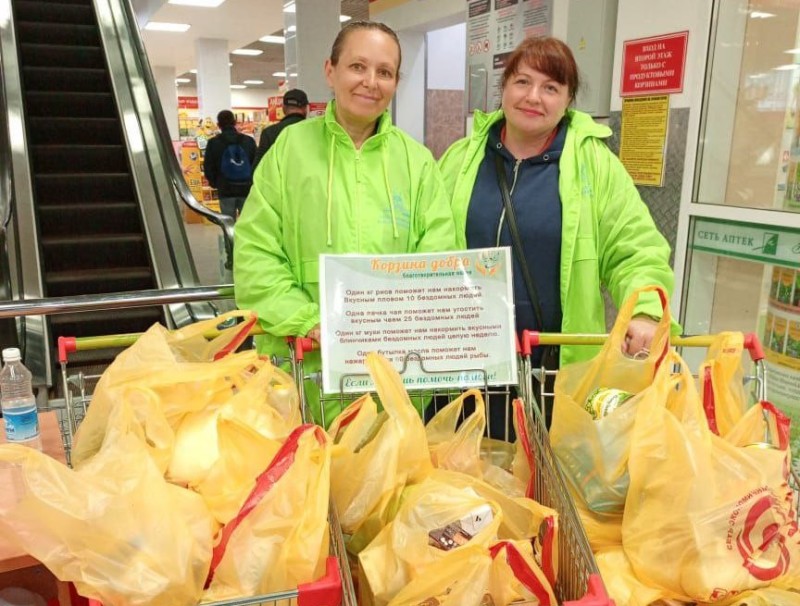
x=595 y=596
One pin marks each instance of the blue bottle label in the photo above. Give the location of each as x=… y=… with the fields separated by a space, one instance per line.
x=22 y=424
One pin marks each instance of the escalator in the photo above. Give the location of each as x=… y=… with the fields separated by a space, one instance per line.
x=97 y=198
x=91 y=235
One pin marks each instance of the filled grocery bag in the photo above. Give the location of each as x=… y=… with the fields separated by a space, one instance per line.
x=279 y=539
x=375 y=454
x=705 y=519
x=595 y=405
x=722 y=383
x=115 y=528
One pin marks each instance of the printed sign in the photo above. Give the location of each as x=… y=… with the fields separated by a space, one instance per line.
x=643 y=139
x=654 y=66
x=766 y=244
x=456 y=310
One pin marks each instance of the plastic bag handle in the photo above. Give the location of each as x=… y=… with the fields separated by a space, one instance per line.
x=277 y=468
x=523 y=436
x=709 y=400
x=522 y=571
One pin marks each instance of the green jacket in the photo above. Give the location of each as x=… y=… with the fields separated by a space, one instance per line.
x=315 y=193
x=608 y=237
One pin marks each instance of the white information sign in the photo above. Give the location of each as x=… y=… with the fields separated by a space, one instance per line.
x=456 y=310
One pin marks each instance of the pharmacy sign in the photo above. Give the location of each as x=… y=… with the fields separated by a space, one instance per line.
x=754 y=242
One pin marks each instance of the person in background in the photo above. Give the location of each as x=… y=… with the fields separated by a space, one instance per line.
x=345 y=182
x=227 y=164
x=580 y=220
x=295 y=109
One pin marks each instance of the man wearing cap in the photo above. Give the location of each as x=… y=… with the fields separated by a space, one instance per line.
x=295 y=109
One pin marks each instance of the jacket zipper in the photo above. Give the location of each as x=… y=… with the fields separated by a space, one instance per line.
x=358 y=200
x=510 y=194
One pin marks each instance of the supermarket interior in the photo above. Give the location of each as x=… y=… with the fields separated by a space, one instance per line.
x=111 y=226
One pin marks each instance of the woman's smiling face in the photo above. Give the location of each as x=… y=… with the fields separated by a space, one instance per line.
x=533 y=102
x=365 y=76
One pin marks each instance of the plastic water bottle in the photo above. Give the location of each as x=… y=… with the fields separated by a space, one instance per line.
x=18 y=402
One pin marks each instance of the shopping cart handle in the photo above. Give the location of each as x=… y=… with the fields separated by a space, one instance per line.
x=753 y=345
x=66 y=346
x=530 y=339
x=326 y=591
x=595 y=595
x=303 y=345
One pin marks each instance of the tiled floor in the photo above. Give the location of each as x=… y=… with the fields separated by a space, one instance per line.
x=205 y=240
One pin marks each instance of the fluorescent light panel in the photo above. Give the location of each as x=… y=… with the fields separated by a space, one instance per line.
x=182 y=80
x=201 y=3
x=250 y=52
x=161 y=26
x=760 y=15
x=273 y=39
x=254 y=82
x=238 y=86
x=343 y=18
x=279 y=74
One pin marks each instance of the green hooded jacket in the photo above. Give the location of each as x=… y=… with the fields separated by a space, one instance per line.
x=608 y=237
x=315 y=193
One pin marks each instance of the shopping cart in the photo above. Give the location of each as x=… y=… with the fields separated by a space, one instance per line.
x=335 y=588
x=578 y=582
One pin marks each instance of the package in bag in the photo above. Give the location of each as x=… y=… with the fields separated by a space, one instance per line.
x=594 y=409
x=115 y=528
x=376 y=454
x=280 y=537
x=173 y=370
x=726 y=520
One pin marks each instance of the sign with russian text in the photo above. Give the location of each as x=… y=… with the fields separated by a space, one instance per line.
x=455 y=310
x=654 y=66
x=761 y=243
x=643 y=138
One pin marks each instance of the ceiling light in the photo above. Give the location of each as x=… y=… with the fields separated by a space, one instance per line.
x=238 y=86
x=182 y=80
x=279 y=74
x=294 y=75
x=760 y=15
x=254 y=82
x=291 y=28
x=289 y=7
x=273 y=39
x=250 y=52
x=161 y=26
x=787 y=67
x=793 y=51
x=343 y=18
x=203 y=3
x=192 y=71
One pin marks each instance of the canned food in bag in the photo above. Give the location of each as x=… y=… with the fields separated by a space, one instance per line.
x=604 y=400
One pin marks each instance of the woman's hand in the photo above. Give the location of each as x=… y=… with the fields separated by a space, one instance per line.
x=639 y=336
x=314 y=333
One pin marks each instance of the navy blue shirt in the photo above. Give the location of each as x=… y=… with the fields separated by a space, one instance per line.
x=537 y=206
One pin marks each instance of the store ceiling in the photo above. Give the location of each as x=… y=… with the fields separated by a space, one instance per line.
x=242 y=23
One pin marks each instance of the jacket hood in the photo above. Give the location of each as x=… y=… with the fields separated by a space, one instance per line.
x=581 y=124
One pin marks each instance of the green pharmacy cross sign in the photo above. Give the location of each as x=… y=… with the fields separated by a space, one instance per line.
x=762 y=243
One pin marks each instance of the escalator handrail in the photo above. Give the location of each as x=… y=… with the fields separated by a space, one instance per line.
x=108 y=301
x=224 y=222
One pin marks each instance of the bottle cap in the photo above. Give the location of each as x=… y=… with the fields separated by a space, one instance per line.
x=11 y=354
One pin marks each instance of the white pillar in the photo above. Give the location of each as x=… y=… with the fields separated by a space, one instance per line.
x=213 y=76
x=409 y=101
x=310 y=32
x=165 y=84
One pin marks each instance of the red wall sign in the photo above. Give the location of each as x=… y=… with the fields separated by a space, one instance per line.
x=654 y=66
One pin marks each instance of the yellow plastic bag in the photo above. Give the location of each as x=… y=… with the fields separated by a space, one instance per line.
x=722 y=383
x=463 y=447
x=594 y=453
x=280 y=537
x=621 y=583
x=177 y=367
x=402 y=551
x=375 y=455
x=461 y=578
x=115 y=528
x=725 y=519
x=516 y=576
